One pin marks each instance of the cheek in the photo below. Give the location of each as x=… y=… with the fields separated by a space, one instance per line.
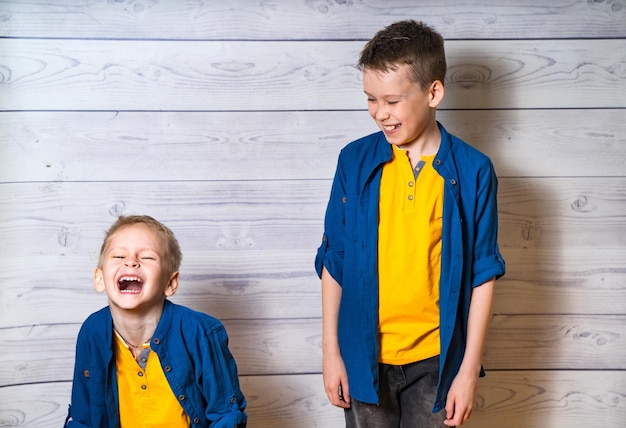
x=372 y=110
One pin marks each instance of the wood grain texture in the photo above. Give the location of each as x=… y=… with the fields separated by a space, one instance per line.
x=224 y=120
x=287 y=76
x=45 y=353
x=288 y=19
x=555 y=399
x=556 y=342
x=183 y=146
x=507 y=399
x=286 y=215
x=249 y=248
x=270 y=285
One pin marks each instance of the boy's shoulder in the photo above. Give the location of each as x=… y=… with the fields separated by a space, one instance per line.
x=98 y=317
x=370 y=148
x=364 y=142
x=97 y=325
x=462 y=150
x=175 y=313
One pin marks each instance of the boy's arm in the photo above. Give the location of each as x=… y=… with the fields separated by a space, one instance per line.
x=225 y=403
x=462 y=394
x=333 y=369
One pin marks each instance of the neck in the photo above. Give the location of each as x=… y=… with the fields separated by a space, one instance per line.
x=135 y=328
x=429 y=148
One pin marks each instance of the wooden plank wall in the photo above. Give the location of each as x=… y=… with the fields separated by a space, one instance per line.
x=224 y=120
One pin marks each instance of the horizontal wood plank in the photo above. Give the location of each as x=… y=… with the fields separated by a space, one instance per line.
x=556 y=342
x=555 y=399
x=282 y=284
x=288 y=19
x=562 y=280
x=183 y=146
x=560 y=237
x=288 y=76
x=45 y=353
x=534 y=213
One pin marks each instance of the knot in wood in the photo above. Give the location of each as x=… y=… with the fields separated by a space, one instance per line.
x=469 y=75
x=581 y=204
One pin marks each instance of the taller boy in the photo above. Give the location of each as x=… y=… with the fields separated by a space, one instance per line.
x=409 y=256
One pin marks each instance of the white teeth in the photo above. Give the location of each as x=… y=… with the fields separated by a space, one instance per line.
x=130 y=278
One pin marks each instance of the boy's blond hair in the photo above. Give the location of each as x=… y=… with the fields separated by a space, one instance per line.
x=173 y=253
x=407 y=42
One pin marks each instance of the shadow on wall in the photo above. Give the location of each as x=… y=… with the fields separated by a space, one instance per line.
x=473 y=110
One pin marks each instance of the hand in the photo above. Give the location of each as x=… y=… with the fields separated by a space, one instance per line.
x=336 y=381
x=461 y=399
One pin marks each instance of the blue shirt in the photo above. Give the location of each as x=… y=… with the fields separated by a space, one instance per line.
x=469 y=253
x=193 y=351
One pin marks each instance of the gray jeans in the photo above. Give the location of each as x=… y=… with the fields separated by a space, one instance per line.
x=407 y=395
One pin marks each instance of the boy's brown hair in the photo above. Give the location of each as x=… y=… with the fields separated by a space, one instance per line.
x=173 y=252
x=407 y=42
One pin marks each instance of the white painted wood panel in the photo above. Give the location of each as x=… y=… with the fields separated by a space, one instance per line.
x=289 y=19
x=285 y=75
x=45 y=353
x=183 y=146
x=508 y=399
x=238 y=259
x=269 y=284
x=224 y=120
x=256 y=216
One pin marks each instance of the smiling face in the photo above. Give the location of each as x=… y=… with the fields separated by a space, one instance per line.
x=402 y=109
x=134 y=270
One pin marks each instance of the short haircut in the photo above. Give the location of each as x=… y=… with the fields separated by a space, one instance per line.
x=173 y=253
x=407 y=42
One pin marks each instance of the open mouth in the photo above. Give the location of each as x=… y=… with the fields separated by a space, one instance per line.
x=390 y=128
x=130 y=284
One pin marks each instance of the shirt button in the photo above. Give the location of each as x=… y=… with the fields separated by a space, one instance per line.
x=168 y=369
x=453 y=181
x=233 y=400
x=144 y=387
x=140 y=374
x=196 y=420
x=181 y=397
x=156 y=341
x=410 y=197
x=410 y=184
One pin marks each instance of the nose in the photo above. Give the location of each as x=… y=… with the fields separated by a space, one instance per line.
x=131 y=262
x=381 y=113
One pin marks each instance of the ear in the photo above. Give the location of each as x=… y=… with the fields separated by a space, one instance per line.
x=98 y=280
x=435 y=92
x=172 y=286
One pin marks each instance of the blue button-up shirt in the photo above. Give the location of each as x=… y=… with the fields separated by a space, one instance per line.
x=469 y=253
x=193 y=351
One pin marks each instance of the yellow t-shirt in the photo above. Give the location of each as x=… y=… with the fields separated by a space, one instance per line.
x=145 y=396
x=409 y=259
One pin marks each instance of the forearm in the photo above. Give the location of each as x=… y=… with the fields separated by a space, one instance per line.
x=477 y=326
x=331 y=298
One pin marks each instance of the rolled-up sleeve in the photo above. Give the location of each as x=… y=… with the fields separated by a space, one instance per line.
x=331 y=251
x=488 y=262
